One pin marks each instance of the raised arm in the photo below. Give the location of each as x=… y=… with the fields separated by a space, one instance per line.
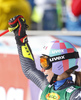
x=25 y=53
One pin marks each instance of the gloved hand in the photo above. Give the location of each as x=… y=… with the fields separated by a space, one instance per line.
x=20 y=32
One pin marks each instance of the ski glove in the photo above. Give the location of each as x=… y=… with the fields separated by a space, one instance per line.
x=20 y=32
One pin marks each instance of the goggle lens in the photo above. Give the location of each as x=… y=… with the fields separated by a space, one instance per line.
x=43 y=62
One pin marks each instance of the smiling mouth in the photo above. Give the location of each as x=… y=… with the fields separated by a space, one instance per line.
x=46 y=75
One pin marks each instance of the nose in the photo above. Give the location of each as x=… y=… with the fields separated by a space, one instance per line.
x=42 y=70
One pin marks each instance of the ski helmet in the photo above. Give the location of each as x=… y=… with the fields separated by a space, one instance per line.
x=60 y=55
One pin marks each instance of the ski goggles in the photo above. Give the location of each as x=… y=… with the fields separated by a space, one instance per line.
x=46 y=61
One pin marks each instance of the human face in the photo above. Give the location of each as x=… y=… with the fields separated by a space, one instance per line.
x=49 y=74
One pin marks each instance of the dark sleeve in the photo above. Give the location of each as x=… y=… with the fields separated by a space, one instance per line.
x=29 y=67
x=76 y=95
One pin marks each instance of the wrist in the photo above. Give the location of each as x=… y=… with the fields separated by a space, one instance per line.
x=21 y=40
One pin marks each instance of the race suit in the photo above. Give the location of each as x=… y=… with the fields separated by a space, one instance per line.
x=69 y=93
x=66 y=90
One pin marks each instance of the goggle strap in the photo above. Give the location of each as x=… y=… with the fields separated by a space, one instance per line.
x=64 y=57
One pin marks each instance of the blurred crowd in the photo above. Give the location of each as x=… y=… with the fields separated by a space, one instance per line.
x=43 y=14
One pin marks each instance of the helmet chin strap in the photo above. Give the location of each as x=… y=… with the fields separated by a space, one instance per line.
x=54 y=79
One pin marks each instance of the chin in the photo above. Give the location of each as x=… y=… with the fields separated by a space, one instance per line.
x=48 y=79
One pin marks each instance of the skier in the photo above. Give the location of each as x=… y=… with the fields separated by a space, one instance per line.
x=58 y=60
